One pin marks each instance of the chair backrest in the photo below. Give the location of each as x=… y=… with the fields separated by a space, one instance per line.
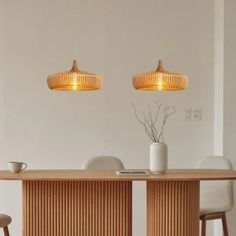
x=217 y=193
x=103 y=163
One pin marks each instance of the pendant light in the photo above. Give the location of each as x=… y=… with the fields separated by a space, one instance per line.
x=74 y=79
x=160 y=79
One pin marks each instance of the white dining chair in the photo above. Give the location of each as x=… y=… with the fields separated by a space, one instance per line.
x=103 y=163
x=5 y=220
x=216 y=197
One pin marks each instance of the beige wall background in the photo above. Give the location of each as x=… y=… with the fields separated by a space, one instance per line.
x=115 y=39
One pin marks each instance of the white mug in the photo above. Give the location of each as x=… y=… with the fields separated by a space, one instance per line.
x=16 y=167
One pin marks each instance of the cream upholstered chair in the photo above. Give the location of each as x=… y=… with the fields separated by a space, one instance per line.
x=5 y=220
x=216 y=197
x=103 y=163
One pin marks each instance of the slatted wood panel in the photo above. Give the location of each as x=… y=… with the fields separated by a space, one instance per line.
x=173 y=208
x=77 y=208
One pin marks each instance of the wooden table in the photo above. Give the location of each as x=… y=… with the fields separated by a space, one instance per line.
x=99 y=203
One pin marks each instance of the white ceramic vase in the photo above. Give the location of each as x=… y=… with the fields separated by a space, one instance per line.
x=158 y=158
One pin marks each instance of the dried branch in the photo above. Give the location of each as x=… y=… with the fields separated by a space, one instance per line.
x=166 y=114
x=143 y=122
x=150 y=121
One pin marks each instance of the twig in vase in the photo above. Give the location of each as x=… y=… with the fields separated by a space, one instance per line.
x=150 y=121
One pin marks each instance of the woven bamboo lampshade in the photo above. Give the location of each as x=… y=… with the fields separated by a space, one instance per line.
x=74 y=80
x=160 y=80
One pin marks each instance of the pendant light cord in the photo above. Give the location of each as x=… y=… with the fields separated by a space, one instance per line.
x=74 y=29
x=160 y=27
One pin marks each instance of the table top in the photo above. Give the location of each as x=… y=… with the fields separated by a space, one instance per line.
x=110 y=175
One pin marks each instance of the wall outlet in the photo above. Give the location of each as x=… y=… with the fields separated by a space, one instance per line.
x=187 y=114
x=197 y=114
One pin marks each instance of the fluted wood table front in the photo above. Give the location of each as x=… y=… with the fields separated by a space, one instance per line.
x=99 y=203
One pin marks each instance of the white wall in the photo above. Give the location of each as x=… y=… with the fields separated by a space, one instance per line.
x=229 y=93
x=116 y=39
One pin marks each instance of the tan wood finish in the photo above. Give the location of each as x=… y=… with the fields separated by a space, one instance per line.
x=173 y=208
x=110 y=175
x=214 y=216
x=225 y=227
x=98 y=203
x=203 y=229
x=77 y=208
x=6 y=231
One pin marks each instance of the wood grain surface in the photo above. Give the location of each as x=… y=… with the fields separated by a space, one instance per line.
x=74 y=208
x=110 y=175
x=173 y=208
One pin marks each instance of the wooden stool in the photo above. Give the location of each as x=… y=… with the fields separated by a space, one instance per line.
x=216 y=197
x=5 y=220
x=214 y=216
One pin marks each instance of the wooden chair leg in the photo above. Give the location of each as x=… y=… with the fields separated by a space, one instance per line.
x=225 y=227
x=6 y=231
x=203 y=226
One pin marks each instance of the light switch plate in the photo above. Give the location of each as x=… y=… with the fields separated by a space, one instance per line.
x=187 y=114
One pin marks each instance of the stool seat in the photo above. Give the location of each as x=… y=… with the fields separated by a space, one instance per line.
x=213 y=207
x=5 y=220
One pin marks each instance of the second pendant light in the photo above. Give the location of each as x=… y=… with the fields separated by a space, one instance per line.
x=160 y=79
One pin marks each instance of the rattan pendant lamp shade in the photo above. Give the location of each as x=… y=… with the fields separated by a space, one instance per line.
x=74 y=79
x=160 y=80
